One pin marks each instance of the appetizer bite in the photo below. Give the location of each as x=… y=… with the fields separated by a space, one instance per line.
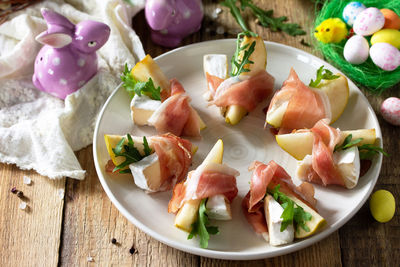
x=158 y=102
x=336 y=156
x=298 y=106
x=156 y=163
x=277 y=209
x=206 y=194
x=249 y=83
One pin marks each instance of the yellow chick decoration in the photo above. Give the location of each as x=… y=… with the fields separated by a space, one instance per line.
x=332 y=30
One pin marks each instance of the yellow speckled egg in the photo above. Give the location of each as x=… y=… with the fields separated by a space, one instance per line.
x=392 y=20
x=382 y=205
x=389 y=36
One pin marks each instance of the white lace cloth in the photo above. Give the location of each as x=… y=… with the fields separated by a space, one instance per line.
x=39 y=131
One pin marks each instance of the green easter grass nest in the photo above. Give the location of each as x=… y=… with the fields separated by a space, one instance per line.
x=366 y=74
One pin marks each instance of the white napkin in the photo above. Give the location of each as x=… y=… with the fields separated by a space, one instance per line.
x=39 y=131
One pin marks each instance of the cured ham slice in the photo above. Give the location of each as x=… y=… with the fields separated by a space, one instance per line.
x=246 y=92
x=175 y=157
x=213 y=82
x=324 y=169
x=175 y=115
x=305 y=106
x=206 y=181
x=269 y=176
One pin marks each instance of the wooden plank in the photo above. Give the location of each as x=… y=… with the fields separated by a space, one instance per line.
x=30 y=236
x=91 y=221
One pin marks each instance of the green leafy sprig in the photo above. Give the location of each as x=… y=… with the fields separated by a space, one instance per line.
x=367 y=151
x=322 y=74
x=134 y=86
x=201 y=228
x=292 y=213
x=267 y=20
x=238 y=64
x=130 y=152
x=235 y=11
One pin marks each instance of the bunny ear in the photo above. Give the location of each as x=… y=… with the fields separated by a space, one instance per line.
x=56 y=40
x=53 y=18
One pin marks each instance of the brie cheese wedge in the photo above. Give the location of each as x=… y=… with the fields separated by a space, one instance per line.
x=348 y=162
x=218 y=208
x=142 y=107
x=147 y=173
x=273 y=211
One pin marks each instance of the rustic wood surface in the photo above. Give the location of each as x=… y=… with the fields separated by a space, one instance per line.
x=67 y=231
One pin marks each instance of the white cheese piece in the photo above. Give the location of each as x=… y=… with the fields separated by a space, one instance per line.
x=146 y=173
x=216 y=65
x=348 y=162
x=273 y=212
x=304 y=167
x=219 y=208
x=142 y=107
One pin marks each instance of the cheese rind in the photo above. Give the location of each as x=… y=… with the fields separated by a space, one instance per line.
x=142 y=107
x=147 y=173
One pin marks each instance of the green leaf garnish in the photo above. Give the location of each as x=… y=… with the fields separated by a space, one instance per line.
x=266 y=19
x=201 y=228
x=322 y=74
x=237 y=63
x=134 y=86
x=131 y=153
x=231 y=4
x=368 y=151
x=292 y=213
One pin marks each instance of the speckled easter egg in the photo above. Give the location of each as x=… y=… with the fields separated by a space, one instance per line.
x=390 y=36
x=369 y=21
x=350 y=12
x=356 y=50
x=385 y=56
x=390 y=110
x=392 y=20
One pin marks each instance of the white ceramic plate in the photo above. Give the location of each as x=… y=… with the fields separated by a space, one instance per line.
x=243 y=143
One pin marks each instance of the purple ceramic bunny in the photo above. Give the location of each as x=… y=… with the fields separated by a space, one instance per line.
x=68 y=60
x=172 y=20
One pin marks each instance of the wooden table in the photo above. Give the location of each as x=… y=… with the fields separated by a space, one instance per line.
x=66 y=231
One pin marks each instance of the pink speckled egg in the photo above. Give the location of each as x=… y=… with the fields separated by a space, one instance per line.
x=390 y=110
x=369 y=21
x=385 y=56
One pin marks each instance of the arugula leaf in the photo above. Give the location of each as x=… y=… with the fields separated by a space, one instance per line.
x=201 y=228
x=237 y=63
x=236 y=14
x=347 y=143
x=368 y=151
x=131 y=153
x=292 y=213
x=134 y=86
x=322 y=74
x=266 y=19
x=147 y=149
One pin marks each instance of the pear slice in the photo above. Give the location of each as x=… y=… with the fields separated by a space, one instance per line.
x=187 y=215
x=299 y=144
x=336 y=92
x=148 y=68
x=315 y=224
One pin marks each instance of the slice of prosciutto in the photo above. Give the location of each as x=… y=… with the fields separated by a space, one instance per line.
x=175 y=115
x=323 y=169
x=305 y=106
x=175 y=157
x=207 y=180
x=244 y=91
x=269 y=176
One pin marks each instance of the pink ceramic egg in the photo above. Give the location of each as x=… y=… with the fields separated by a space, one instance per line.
x=369 y=21
x=390 y=110
x=385 y=56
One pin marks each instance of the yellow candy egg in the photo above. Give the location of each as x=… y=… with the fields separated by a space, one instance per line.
x=389 y=36
x=382 y=205
x=332 y=30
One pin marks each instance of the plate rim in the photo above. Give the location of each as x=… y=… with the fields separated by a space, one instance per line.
x=231 y=255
